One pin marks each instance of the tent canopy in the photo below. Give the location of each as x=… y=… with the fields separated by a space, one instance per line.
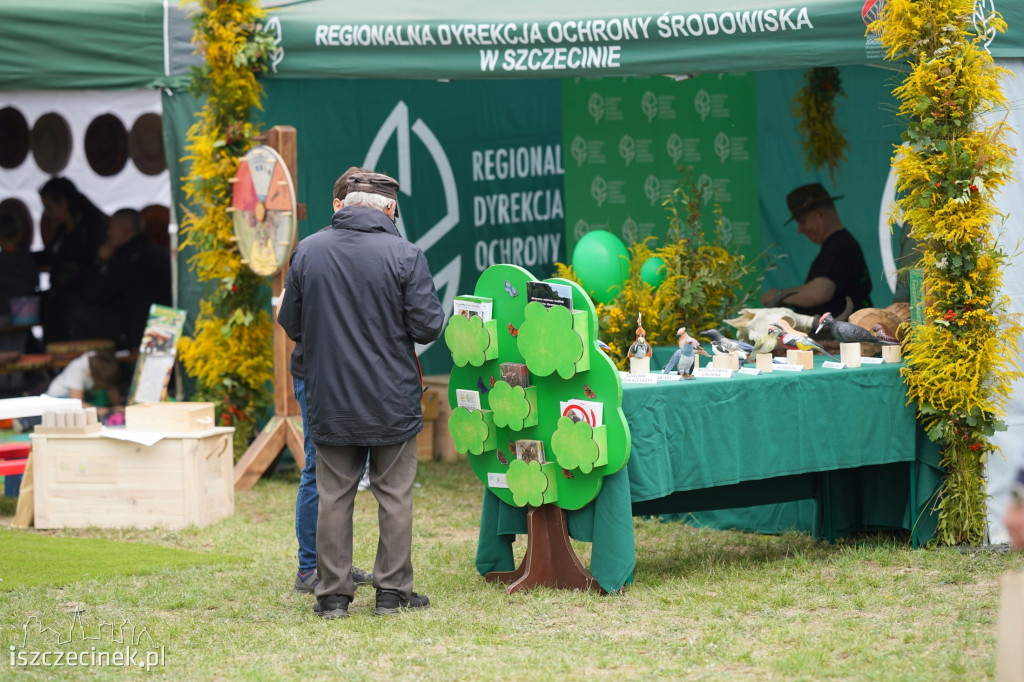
x=122 y=44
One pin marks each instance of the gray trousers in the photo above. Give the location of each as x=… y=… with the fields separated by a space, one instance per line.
x=392 y=473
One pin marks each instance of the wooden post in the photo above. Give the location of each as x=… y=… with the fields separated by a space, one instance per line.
x=550 y=560
x=285 y=427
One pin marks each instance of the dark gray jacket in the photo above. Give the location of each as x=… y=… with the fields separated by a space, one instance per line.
x=359 y=296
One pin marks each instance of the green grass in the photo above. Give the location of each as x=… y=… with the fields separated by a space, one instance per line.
x=705 y=605
x=33 y=559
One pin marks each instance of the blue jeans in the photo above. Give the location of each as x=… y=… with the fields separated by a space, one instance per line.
x=307 y=501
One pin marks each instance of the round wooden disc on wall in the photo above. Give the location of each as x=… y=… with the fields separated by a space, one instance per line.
x=146 y=144
x=22 y=217
x=14 y=140
x=51 y=143
x=106 y=145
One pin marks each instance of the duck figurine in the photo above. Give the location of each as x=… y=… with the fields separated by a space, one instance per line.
x=848 y=332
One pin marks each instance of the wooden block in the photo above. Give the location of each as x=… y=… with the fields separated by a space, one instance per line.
x=428 y=404
x=169 y=417
x=68 y=430
x=805 y=358
x=849 y=354
x=639 y=365
x=891 y=353
x=726 y=362
x=87 y=480
x=425 y=442
x=764 y=362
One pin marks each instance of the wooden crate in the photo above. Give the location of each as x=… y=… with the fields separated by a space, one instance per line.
x=443 y=441
x=425 y=441
x=169 y=417
x=89 y=480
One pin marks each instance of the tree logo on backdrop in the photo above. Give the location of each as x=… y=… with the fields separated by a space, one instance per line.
x=722 y=147
x=629 y=230
x=397 y=125
x=674 y=147
x=706 y=187
x=277 y=54
x=627 y=148
x=599 y=190
x=580 y=228
x=595 y=107
x=578 y=149
x=652 y=188
x=725 y=231
x=649 y=105
x=984 y=10
x=702 y=104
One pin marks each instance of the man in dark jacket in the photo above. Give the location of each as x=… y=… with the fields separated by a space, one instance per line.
x=359 y=296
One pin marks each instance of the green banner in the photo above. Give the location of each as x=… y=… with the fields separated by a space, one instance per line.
x=626 y=140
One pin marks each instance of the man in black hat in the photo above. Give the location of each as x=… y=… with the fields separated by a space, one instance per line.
x=360 y=296
x=839 y=271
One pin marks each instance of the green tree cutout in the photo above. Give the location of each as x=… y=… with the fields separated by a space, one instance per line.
x=527 y=483
x=468 y=429
x=574 y=445
x=510 y=406
x=467 y=340
x=548 y=342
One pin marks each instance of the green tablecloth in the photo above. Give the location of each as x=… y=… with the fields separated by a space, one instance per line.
x=842 y=440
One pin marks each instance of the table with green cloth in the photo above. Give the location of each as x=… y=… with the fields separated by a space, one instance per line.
x=826 y=451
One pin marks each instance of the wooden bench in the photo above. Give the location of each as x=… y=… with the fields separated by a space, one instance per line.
x=13 y=458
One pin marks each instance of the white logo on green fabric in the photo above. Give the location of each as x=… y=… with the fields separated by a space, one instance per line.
x=595 y=107
x=706 y=188
x=674 y=147
x=629 y=230
x=702 y=103
x=984 y=11
x=273 y=26
x=579 y=150
x=649 y=105
x=627 y=149
x=722 y=146
x=652 y=189
x=397 y=125
x=599 y=190
x=580 y=228
x=725 y=231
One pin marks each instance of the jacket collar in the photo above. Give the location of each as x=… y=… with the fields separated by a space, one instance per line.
x=363 y=219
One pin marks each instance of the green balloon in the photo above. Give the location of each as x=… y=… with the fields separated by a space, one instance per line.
x=653 y=271
x=601 y=261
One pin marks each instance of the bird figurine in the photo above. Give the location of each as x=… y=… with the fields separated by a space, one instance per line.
x=723 y=345
x=848 y=332
x=603 y=346
x=798 y=341
x=881 y=332
x=640 y=347
x=683 y=359
x=765 y=344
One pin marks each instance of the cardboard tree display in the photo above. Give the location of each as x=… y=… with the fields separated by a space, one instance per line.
x=559 y=349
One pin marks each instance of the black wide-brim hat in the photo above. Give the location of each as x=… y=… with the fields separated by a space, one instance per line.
x=807 y=198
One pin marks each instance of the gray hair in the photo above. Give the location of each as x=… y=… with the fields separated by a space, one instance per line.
x=376 y=201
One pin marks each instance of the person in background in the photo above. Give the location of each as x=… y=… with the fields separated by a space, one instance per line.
x=79 y=230
x=131 y=273
x=839 y=270
x=19 y=274
x=1013 y=517
x=360 y=297
x=87 y=374
x=307 y=500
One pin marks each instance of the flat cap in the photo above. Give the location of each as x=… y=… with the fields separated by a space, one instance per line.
x=374 y=183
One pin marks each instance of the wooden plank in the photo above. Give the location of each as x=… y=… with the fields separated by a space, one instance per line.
x=260 y=454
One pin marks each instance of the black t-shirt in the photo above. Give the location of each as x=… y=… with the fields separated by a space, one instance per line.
x=841 y=260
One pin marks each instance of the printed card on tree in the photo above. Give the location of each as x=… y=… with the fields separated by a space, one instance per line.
x=549 y=294
x=530 y=451
x=473 y=306
x=467 y=399
x=588 y=411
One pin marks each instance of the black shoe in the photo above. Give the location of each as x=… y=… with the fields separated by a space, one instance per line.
x=361 y=577
x=390 y=603
x=332 y=606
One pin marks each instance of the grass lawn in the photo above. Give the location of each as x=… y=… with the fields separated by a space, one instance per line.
x=705 y=605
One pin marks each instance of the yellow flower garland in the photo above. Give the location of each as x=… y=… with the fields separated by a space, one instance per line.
x=230 y=354
x=961 y=363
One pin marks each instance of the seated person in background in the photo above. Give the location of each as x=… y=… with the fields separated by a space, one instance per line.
x=79 y=227
x=91 y=371
x=132 y=273
x=838 y=271
x=19 y=274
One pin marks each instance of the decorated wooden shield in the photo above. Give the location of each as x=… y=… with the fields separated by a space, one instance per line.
x=263 y=210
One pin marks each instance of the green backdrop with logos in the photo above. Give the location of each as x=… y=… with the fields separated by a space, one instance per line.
x=626 y=140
